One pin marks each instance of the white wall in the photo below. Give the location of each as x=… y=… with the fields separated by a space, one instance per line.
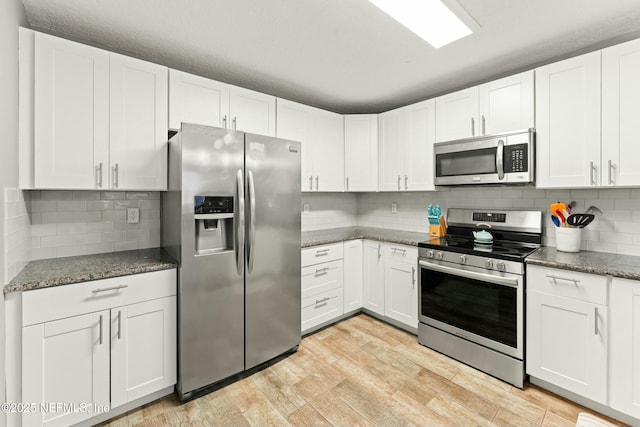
x=12 y=14
x=329 y=210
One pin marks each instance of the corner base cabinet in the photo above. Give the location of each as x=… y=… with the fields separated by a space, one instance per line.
x=104 y=343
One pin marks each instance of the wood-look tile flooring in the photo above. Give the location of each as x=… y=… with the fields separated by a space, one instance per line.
x=362 y=372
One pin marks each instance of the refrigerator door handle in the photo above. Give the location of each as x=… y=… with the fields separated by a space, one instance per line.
x=252 y=223
x=240 y=227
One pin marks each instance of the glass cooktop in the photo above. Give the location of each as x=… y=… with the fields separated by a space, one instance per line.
x=503 y=249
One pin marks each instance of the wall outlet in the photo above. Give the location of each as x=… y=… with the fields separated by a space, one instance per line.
x=305 y=208
x=133 y=215
x=394 y=208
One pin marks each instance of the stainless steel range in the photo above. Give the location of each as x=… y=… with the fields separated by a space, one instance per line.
x=471 y=301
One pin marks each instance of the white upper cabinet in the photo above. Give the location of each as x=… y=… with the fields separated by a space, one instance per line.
x=391 y=150
x=420 y=128
x=138 y=124
x=457 y=115
x=321 y=134
x=568 y=122
x=500 y=106
x=620 y=112
x=252 y=111
x=361 y=152
x=71 y=112
x=98 y=120
x=507 y=104
x=406 y=148
x=195 y=99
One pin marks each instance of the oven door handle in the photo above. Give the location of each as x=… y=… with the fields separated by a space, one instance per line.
x=505 y=281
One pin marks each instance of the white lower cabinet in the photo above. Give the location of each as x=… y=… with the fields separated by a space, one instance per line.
x=105 y=343
x=322 y=285
x=373 y=277
x=567 y=330
x=353 y=297
x=624 y=386
x=400 y=284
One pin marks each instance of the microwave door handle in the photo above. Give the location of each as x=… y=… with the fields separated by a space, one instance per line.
x=500 y=159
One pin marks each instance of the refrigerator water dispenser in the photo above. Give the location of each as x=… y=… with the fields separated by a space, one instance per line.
x=213 y=216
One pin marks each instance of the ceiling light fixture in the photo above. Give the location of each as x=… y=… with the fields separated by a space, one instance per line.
x=430 y=19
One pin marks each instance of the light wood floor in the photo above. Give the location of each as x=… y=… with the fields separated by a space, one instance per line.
x=362 y=372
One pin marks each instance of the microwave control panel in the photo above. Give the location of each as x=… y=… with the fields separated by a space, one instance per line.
x=516 y=158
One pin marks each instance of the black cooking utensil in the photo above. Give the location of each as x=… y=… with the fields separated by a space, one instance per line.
x=580 y=220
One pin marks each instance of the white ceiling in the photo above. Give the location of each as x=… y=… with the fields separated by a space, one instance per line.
x=342 y=55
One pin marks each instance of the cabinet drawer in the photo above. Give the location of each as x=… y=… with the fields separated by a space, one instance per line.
x=400 y=253
x=42 y=305
x=569 y=284
x=318 y=254
x=321 y=308
x=321 y=278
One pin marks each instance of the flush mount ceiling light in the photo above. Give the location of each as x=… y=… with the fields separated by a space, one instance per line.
x=430 y=19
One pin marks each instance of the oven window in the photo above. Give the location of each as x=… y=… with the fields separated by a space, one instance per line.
x=471 y=162
x=478 y=307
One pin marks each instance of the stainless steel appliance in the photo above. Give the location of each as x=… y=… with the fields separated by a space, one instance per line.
x=231 y=218
x=471 y=300
x=491 y=159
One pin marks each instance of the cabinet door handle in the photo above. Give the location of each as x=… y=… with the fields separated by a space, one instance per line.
x=119 y=323
x=399 y=180
x=234 y=122
x=113 y=288
x=592 y=170
x=379 y=250
x=115 y=176
x=555 y=278
x=406 y=182
x=595 y=315
x=483 y=126
x=99 y=175
x=611 y=167
x=473 y=127
x=317 y=182
x=224 y=121
x=100 y=339
x=413 y=276
x=347 y=183
x=311 y=182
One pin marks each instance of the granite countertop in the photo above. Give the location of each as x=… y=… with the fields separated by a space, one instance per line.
x=64 y=271
x=335 y=235
x=623 y=266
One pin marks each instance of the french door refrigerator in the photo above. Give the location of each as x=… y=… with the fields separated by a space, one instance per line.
x=231 y=218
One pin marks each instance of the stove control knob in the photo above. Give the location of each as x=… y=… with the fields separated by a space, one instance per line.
x=501 y=266
x=488 y=263
x=463 y=259
x=429 y=254
x=439 y=255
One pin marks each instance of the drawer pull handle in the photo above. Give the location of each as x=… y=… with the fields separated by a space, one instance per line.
x=322 y=251
x=322 y=270
x=555 y=278
x=404 y=251
x=113 y=288
x=320 y=301
x=100 y=330
x=595 y=315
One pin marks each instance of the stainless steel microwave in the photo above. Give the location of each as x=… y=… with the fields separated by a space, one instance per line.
x=490 y=159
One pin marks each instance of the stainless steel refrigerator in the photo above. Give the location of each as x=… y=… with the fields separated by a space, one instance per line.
x=231 y=218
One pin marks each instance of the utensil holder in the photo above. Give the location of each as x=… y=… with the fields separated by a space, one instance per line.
x=568 y=239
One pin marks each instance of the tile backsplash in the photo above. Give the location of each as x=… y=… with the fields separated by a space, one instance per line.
x=67 y=223
x=17 y=232
x=617 y=231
